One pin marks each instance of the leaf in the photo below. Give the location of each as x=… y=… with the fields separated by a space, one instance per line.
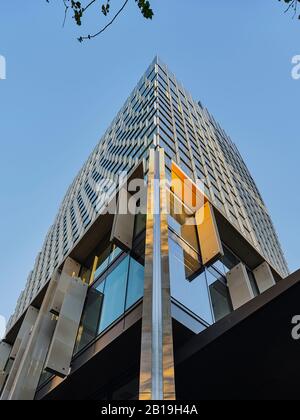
x=145 y=8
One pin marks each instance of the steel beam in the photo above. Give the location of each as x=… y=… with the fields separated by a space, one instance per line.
x=157 y=381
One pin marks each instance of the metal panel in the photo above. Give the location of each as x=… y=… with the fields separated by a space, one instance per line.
x=3 y=377
x=157 y=304
x=58 y=298
x=62 y=346
x=5 y=350
x=239 y=285
x=123 y=226
x=186 y=190
x=209 y=238
x=16 y=365
x=146 y=347
x=71 y=269
x=194 y=198
x=23 y=381
x=27 y=325
x=157 y=354
x=264 y=277
x=169 y=392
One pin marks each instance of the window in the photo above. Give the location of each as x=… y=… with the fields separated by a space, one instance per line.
x=103 y=261
x=89 y=324
x=116 y=291
x=219 y=294
x=135 y=287
x=114 y=295
x=106 y=257
x=188 y=283
x=181 y=221
x=140 y=224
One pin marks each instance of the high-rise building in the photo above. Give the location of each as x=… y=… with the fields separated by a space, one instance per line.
x=149 y=280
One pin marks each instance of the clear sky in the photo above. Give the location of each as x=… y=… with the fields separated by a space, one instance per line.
x=60 y=96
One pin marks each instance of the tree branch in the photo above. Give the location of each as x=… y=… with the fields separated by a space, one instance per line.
x=89 y=5
x=296 y=7
x=66 y=12
x=84 y=38
x=293 y=5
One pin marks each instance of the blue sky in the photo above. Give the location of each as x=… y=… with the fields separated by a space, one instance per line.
x=60 y=96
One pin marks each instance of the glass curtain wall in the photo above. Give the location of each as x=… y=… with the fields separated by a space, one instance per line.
x=118 y=285
x=201 y=290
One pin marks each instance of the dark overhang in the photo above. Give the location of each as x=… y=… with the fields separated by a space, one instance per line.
x=250 y=354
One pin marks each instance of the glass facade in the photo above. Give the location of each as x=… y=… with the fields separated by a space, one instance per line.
x=106 y=257
x=201 y=290
x=114 y=292
x=160 y=111
x=114 y=295
x=188 y=283
x=195 y=141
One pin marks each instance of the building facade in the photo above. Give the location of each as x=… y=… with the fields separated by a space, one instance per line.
x=149 y=273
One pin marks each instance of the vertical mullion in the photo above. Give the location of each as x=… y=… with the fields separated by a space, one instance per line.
x=157 y=380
